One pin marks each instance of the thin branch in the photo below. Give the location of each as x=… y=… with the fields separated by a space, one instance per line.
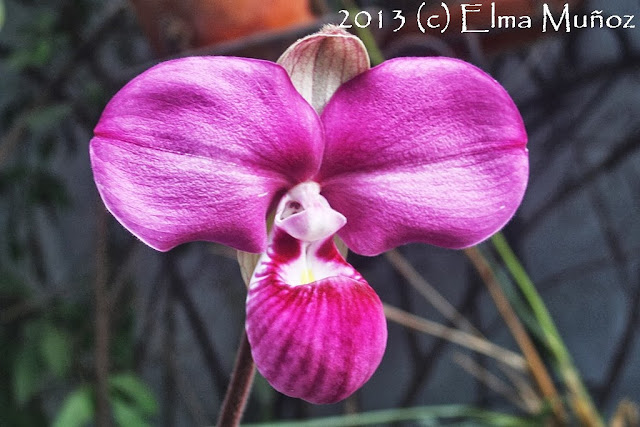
x=414 y=278
x=150 y=313
x=627 y=415
x=189 y=397
x=123 y=273
x=622 y=350
x=578 y=396
x=107 y=22
x=431 y=356
x=523 y=385
x=411 y=335
x=456 y=336
x=625 y=342
x=583 y=269
x=103 y=410
x=496 y=384
x=197 y=325
x=430 y=293
x=575 y=81
x=53 y=88
x=536 y=366
x=169 y=359
x=620 y=154
x=11 y=139
x=35 y=304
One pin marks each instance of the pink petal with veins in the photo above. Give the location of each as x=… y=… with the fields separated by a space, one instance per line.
x=422 y=150
x=317 y=341
x=199 y=148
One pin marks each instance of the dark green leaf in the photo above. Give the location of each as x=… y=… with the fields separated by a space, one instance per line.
x=55 y=350
x=134 y=390
x=77 y=409
x=126 y=415
x=26 y=375
x=1 y=13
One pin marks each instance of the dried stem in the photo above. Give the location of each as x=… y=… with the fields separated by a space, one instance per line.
x=481 y=345
x=189 y=397
x=579 y=397
x=432 y=355
x=496 y=384
x=425 y=289
x=420 y=284
x=239 y=386
x=536 y=366
x=181 y=292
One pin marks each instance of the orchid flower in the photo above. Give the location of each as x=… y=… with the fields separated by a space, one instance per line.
x=279 y=159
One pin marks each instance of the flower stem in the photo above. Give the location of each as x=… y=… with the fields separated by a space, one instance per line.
x=239 y=386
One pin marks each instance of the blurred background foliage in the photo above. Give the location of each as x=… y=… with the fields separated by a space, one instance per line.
x=97 y=328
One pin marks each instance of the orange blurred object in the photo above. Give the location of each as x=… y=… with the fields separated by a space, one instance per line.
x=175 y=25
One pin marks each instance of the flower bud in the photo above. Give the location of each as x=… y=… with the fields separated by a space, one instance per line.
x=318 y=64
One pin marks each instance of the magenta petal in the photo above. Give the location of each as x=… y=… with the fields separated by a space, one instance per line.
x=319 y=341
x=197 y=149
x=422 y=150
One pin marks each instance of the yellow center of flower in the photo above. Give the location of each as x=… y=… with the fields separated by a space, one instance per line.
x=307 y=276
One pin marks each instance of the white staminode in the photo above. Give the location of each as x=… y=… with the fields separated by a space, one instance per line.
x=305 y=215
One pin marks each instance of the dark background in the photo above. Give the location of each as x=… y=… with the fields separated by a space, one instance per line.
x=80 y=297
